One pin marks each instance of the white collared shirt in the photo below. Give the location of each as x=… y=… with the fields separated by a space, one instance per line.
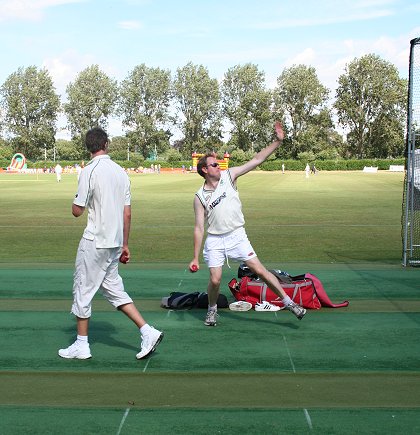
x=104 y=189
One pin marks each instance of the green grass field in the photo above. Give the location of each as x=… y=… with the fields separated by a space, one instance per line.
x=338 y=371
x=334 y=217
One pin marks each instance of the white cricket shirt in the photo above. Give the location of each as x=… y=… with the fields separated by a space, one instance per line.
x=104 y=189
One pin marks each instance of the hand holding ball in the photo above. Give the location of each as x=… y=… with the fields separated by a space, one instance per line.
x=193 y=268
x=124 y=258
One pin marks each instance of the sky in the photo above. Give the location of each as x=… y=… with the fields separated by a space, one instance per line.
x=66 y=36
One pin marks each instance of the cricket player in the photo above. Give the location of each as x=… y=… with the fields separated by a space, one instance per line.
x=104 y=190
x=218 y=205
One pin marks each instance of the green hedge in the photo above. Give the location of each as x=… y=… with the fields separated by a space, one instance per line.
x=270 y=165
x=124 y=163
x=148 y=164
x=331 y=165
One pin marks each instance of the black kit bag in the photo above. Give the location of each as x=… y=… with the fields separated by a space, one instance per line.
x=179 y=300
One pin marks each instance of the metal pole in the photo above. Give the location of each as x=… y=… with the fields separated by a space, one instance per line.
x=410 y=168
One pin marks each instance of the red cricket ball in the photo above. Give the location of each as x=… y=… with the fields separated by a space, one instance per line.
x=124 y=259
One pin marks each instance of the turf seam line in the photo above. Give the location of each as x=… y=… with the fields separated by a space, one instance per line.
x=123 y=420
x=145 y=367
x=288 y=352
x=308 y=418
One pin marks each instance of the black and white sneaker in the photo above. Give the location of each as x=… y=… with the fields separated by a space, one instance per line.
x=266 y=306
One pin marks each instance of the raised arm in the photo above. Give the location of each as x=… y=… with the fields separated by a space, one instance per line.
x=261 y=156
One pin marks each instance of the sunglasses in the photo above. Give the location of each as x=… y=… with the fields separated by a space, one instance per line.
x=213 y=165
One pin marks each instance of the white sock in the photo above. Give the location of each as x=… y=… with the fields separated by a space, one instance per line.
x=212 y=308
x=83 y=340
x=286 y=300
x=145 y=329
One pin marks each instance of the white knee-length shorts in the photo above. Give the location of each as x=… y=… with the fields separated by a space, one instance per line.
x=96 y=269
x=234 y=245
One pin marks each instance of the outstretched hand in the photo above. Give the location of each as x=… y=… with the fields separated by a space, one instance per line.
x=279 y=131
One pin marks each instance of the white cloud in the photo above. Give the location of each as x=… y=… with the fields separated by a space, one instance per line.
x=326 y=12
x=64 y=68
x=28 y=10
x=325 y=20
x=130 y=25
x=305 y=57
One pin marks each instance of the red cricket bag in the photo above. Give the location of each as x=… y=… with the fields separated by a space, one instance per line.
x=306 y=290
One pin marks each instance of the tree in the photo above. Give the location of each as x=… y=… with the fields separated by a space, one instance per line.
x=197 y=100
x=371 y=103
x=6 y=151
x=31 y=108
x=118 y=148
x=302 y=100
x=246 y=104
x=144 y=105
x=67 y=150
x=91 y=99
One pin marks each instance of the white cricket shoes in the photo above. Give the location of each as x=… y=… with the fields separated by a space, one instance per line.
x=149 y=343
x=76 y=351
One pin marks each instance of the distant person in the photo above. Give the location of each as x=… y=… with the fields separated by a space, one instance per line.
x=78 y=171
x=217 y=203
x=307 y=170
x=313 y=169
x=58 y=171
x=282 y=168
x=104 y=189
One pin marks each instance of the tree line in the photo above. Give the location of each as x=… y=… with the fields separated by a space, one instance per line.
x=155 y=107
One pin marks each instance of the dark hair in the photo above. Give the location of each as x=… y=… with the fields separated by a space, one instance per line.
x=202 y=163
x=96 y=140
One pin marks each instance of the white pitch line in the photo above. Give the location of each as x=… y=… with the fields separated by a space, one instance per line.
x=145 y=367
x=182 y=279
x=123 y=420
x=308 y=418
x=290 y=356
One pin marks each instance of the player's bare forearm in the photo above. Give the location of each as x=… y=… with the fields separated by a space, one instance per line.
x=261 y=156
x=194 y=265
x=198 y=241
x=127 y=225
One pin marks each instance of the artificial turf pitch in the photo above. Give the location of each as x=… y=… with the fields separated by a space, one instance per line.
x=338 y=371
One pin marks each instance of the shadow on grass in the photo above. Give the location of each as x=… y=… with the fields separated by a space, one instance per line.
x=200 y=315
x=103 y=332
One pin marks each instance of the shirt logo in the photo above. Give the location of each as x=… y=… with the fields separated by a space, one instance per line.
x=217 y=201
